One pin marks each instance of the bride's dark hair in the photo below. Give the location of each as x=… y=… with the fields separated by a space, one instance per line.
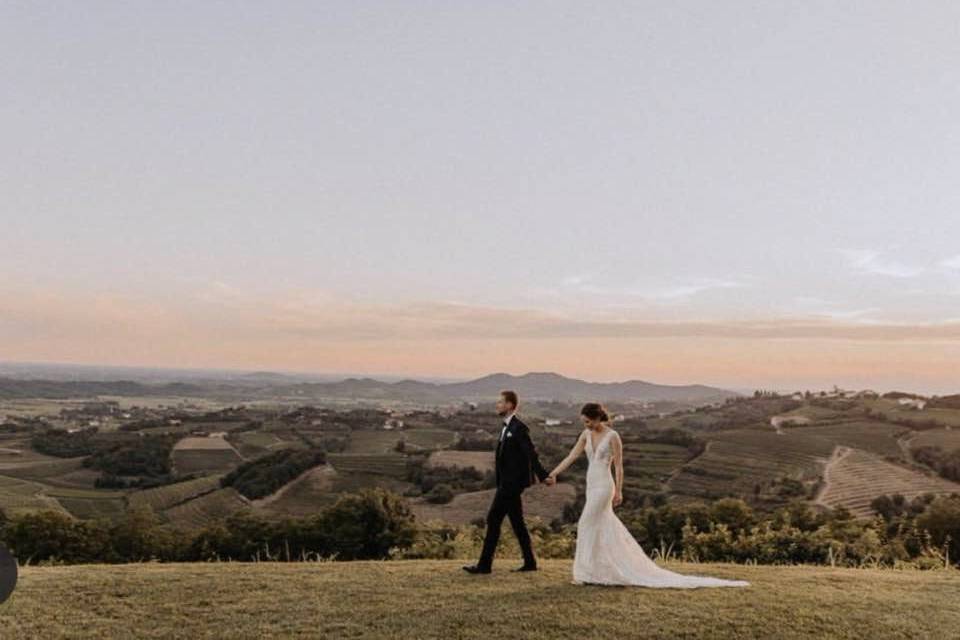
x=595 y=411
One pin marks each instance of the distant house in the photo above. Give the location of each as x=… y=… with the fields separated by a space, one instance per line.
x=916 y=403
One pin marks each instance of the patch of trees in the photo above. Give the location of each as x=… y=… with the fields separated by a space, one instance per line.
x=372 y=524
x=475 y=442
x=677 y=437
x=945 y=402
x=440 y=484
x=64 y=444
x=740 y=412
x=897 y=395
x=145 y=456
x=728 y=530
x=945 y=463
x=261 y=477
x=917 y=424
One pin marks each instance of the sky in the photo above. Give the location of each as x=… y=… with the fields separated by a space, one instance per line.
x=743 y=194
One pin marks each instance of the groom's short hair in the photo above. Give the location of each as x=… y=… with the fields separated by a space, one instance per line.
x=511 y=397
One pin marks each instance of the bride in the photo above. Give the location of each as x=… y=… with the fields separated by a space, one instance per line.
x=607 y=553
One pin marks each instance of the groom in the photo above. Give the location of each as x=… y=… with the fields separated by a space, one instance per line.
x=517 y=467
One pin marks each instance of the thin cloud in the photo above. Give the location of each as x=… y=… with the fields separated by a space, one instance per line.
x=869 y=262
x=668 y=293
x=951 y=263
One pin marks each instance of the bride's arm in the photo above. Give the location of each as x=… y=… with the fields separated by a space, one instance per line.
x=573 y=455
x=617 y=447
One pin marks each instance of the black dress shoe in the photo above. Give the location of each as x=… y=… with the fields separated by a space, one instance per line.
x=472 y=568
x=525 y=567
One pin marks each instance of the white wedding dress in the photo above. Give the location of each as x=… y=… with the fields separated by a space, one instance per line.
x=607 y=552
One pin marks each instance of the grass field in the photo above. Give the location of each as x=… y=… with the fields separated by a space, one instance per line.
x=435 y=599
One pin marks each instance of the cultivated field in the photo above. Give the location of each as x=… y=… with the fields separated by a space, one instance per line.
x=201 y=511
x=854 y=478
x=429 y=438
x=161 y=498
x=373 y=441
x=876 y=437
x=386 y=464
x=736 y=461
x=304 y=496
x=539 y=501
x=204 y=455
x=479 y=460
x=947 y=439
x=435 y=599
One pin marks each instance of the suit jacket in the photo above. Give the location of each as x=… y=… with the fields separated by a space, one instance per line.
x=517 y=463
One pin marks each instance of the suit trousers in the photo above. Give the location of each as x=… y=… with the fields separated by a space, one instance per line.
x=506 y=503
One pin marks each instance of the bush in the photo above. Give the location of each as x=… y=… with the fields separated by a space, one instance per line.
x=440 y=494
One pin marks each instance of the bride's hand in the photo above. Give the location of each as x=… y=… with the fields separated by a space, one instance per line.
x=617 y=499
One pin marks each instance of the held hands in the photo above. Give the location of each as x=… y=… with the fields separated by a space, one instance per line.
x=551 y=480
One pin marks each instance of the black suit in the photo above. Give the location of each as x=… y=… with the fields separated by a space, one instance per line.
x=517 y=467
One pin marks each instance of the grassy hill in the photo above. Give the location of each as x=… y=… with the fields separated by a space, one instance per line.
x=435 y=599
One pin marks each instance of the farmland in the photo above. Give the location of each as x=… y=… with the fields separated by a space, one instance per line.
x=726 y=450
x=855 y=477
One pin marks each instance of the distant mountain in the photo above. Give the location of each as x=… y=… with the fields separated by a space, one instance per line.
x=259 y=385
x=530 y=386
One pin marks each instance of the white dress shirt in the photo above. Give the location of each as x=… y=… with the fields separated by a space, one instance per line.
x=506 y=422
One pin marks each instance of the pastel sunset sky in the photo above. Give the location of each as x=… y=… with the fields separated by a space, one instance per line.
x=742 y=194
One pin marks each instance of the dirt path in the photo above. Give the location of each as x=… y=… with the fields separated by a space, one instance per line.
x=322 y=471
x=839 y=453
x=904 y=444
x=677 y=471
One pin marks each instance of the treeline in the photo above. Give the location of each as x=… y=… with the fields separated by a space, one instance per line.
x=262 y=476
x=367 y=525
x=376 y=524
x=925 y=533
x=124 y=460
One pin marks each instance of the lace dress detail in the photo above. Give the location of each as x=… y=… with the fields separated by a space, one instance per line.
x=607 y=552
